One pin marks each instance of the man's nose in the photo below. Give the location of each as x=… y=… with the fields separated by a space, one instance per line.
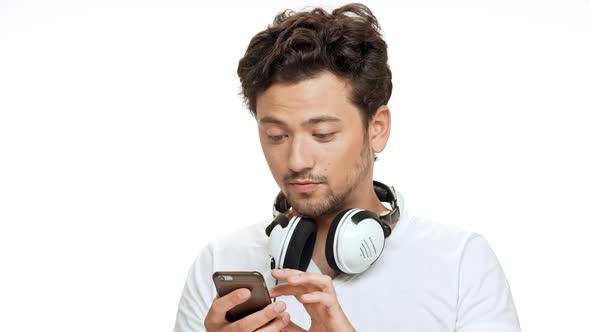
x=300 y=156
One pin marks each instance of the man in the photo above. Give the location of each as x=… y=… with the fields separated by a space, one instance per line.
x=318 y=85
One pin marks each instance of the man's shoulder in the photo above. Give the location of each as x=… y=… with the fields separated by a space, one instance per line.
x=437 y=236
x=434 y=228
x=243 y=248
x=246 y=236
x=423 y=234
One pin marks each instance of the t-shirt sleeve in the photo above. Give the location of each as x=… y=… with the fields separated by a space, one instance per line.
x=197 y=295
x=484 y=300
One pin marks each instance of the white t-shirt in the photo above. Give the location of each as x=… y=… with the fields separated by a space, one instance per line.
x=430 y=278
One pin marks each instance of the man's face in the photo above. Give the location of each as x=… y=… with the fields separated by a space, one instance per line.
x=314 y=142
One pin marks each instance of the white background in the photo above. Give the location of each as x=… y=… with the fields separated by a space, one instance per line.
x=124 y=148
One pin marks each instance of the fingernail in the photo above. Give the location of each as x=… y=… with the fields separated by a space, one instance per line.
x=279 y=306
x=278 y=271
x=243 y=294
x=286 y=319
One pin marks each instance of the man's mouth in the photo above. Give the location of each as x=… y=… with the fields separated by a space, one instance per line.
x=304 y=186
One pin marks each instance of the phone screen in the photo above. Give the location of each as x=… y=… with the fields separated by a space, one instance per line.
x=228 y=281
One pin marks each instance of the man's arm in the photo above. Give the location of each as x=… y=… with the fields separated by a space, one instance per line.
x=194 y=303
x=484 y=301
x=199 y=309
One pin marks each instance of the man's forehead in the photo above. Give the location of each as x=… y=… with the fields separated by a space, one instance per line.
x=321 y=99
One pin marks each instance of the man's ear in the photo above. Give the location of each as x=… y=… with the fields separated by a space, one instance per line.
x=378 y=129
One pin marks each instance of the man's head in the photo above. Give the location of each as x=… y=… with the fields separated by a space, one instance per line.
x=318 y=84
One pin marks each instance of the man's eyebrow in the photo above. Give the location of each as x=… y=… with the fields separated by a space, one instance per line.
x=272 y=119
x=319 y=119
x=306 y=123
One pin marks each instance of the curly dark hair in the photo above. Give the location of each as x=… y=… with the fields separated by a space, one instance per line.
x=299 y=45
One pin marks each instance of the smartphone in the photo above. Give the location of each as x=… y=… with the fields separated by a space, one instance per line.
x=228 y=281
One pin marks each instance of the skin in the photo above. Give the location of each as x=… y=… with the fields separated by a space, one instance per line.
x=310 y=131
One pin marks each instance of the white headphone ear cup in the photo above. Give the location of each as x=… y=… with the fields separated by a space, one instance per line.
x=357 y=241
x=300 y=247
x=292 y=246
x=278 y=238
x=330 y=240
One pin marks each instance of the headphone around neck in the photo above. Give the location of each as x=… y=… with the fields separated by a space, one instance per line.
x=356 y=237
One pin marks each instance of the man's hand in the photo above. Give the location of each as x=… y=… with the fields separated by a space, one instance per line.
x=316 y=293
x=273 y=313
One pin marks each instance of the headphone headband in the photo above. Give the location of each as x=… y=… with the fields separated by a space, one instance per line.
x=385 y=193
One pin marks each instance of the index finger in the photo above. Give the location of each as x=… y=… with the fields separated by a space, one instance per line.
x=282 y=274
x=221 y=305
x=296 y=277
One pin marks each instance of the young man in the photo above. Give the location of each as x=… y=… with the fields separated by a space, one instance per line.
x=318 y=85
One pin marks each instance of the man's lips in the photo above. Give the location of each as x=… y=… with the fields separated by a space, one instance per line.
x=304 y=186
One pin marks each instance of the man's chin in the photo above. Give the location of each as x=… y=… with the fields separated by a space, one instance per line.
x=311 y=206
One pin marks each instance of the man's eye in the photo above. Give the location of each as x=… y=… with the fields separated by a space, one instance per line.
x=277 y=138
x=324 y=136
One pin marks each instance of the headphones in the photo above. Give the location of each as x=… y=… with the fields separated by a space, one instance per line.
x=356 y=238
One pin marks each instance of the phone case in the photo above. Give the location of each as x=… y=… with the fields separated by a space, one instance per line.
x=252 y=280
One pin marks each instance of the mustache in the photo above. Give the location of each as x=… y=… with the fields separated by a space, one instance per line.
x=304 y=176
